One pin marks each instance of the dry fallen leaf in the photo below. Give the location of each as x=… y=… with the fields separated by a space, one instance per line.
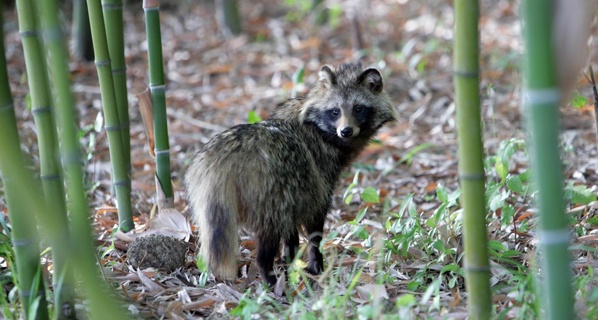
x=170 y=222
x=372 y=291
x=153 y=286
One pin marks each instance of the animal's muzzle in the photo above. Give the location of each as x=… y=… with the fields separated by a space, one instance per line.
x=347 y=132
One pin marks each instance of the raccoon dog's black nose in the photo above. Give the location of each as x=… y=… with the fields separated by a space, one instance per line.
x=347 y=132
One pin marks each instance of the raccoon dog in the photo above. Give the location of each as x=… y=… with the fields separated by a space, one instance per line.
x=276 y=178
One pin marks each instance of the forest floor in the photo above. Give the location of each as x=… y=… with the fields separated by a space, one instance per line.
x=213 y=83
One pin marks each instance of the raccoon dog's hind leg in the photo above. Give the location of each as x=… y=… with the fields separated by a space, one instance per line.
x=267 y=250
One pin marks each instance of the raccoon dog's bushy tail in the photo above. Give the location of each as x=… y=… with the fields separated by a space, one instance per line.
x=215 y=211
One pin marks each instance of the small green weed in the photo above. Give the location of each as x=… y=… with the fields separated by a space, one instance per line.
x=297 y=80
x=253 y=117
x=330 y=14
x=577 y=100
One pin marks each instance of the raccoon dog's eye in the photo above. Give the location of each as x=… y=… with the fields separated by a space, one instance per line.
x=334 y=112
x=358 y=109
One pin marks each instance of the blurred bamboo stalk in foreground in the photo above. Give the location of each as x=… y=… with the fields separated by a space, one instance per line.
x=24 y=233
x=541 y=102
x=102 y=304
x=41 y=107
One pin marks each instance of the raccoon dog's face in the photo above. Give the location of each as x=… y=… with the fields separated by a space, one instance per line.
x=345 y=120
x=348 y=103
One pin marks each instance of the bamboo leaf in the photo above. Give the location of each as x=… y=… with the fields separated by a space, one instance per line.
x=361 y=214
x=498 y=199
x=408 y=157
x=370 y=195
x=514 y=184
x=502 y=169
x=348 y=198
x=496 y=245
x=580 y=194
x=507 y=214
x=593 y=220
x=432 y=289
x=441 y=194
x=525 y=176
x=450 y=268
x=406 y=301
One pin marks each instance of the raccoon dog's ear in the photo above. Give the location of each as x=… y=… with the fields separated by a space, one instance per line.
x=326 y=75
x=371 y=79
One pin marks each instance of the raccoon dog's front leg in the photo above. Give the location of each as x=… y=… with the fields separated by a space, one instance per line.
x=315 y=230
x=268 y=246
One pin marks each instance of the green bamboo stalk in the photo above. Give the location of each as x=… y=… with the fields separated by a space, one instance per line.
x=120 y=177
x=113 y=14
x=102 y=304
x=541 y=104
x=228 y=17
x=157 y=87
x=48 y=146
x=471 y=165
x=24 y=233
x=81 y=34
